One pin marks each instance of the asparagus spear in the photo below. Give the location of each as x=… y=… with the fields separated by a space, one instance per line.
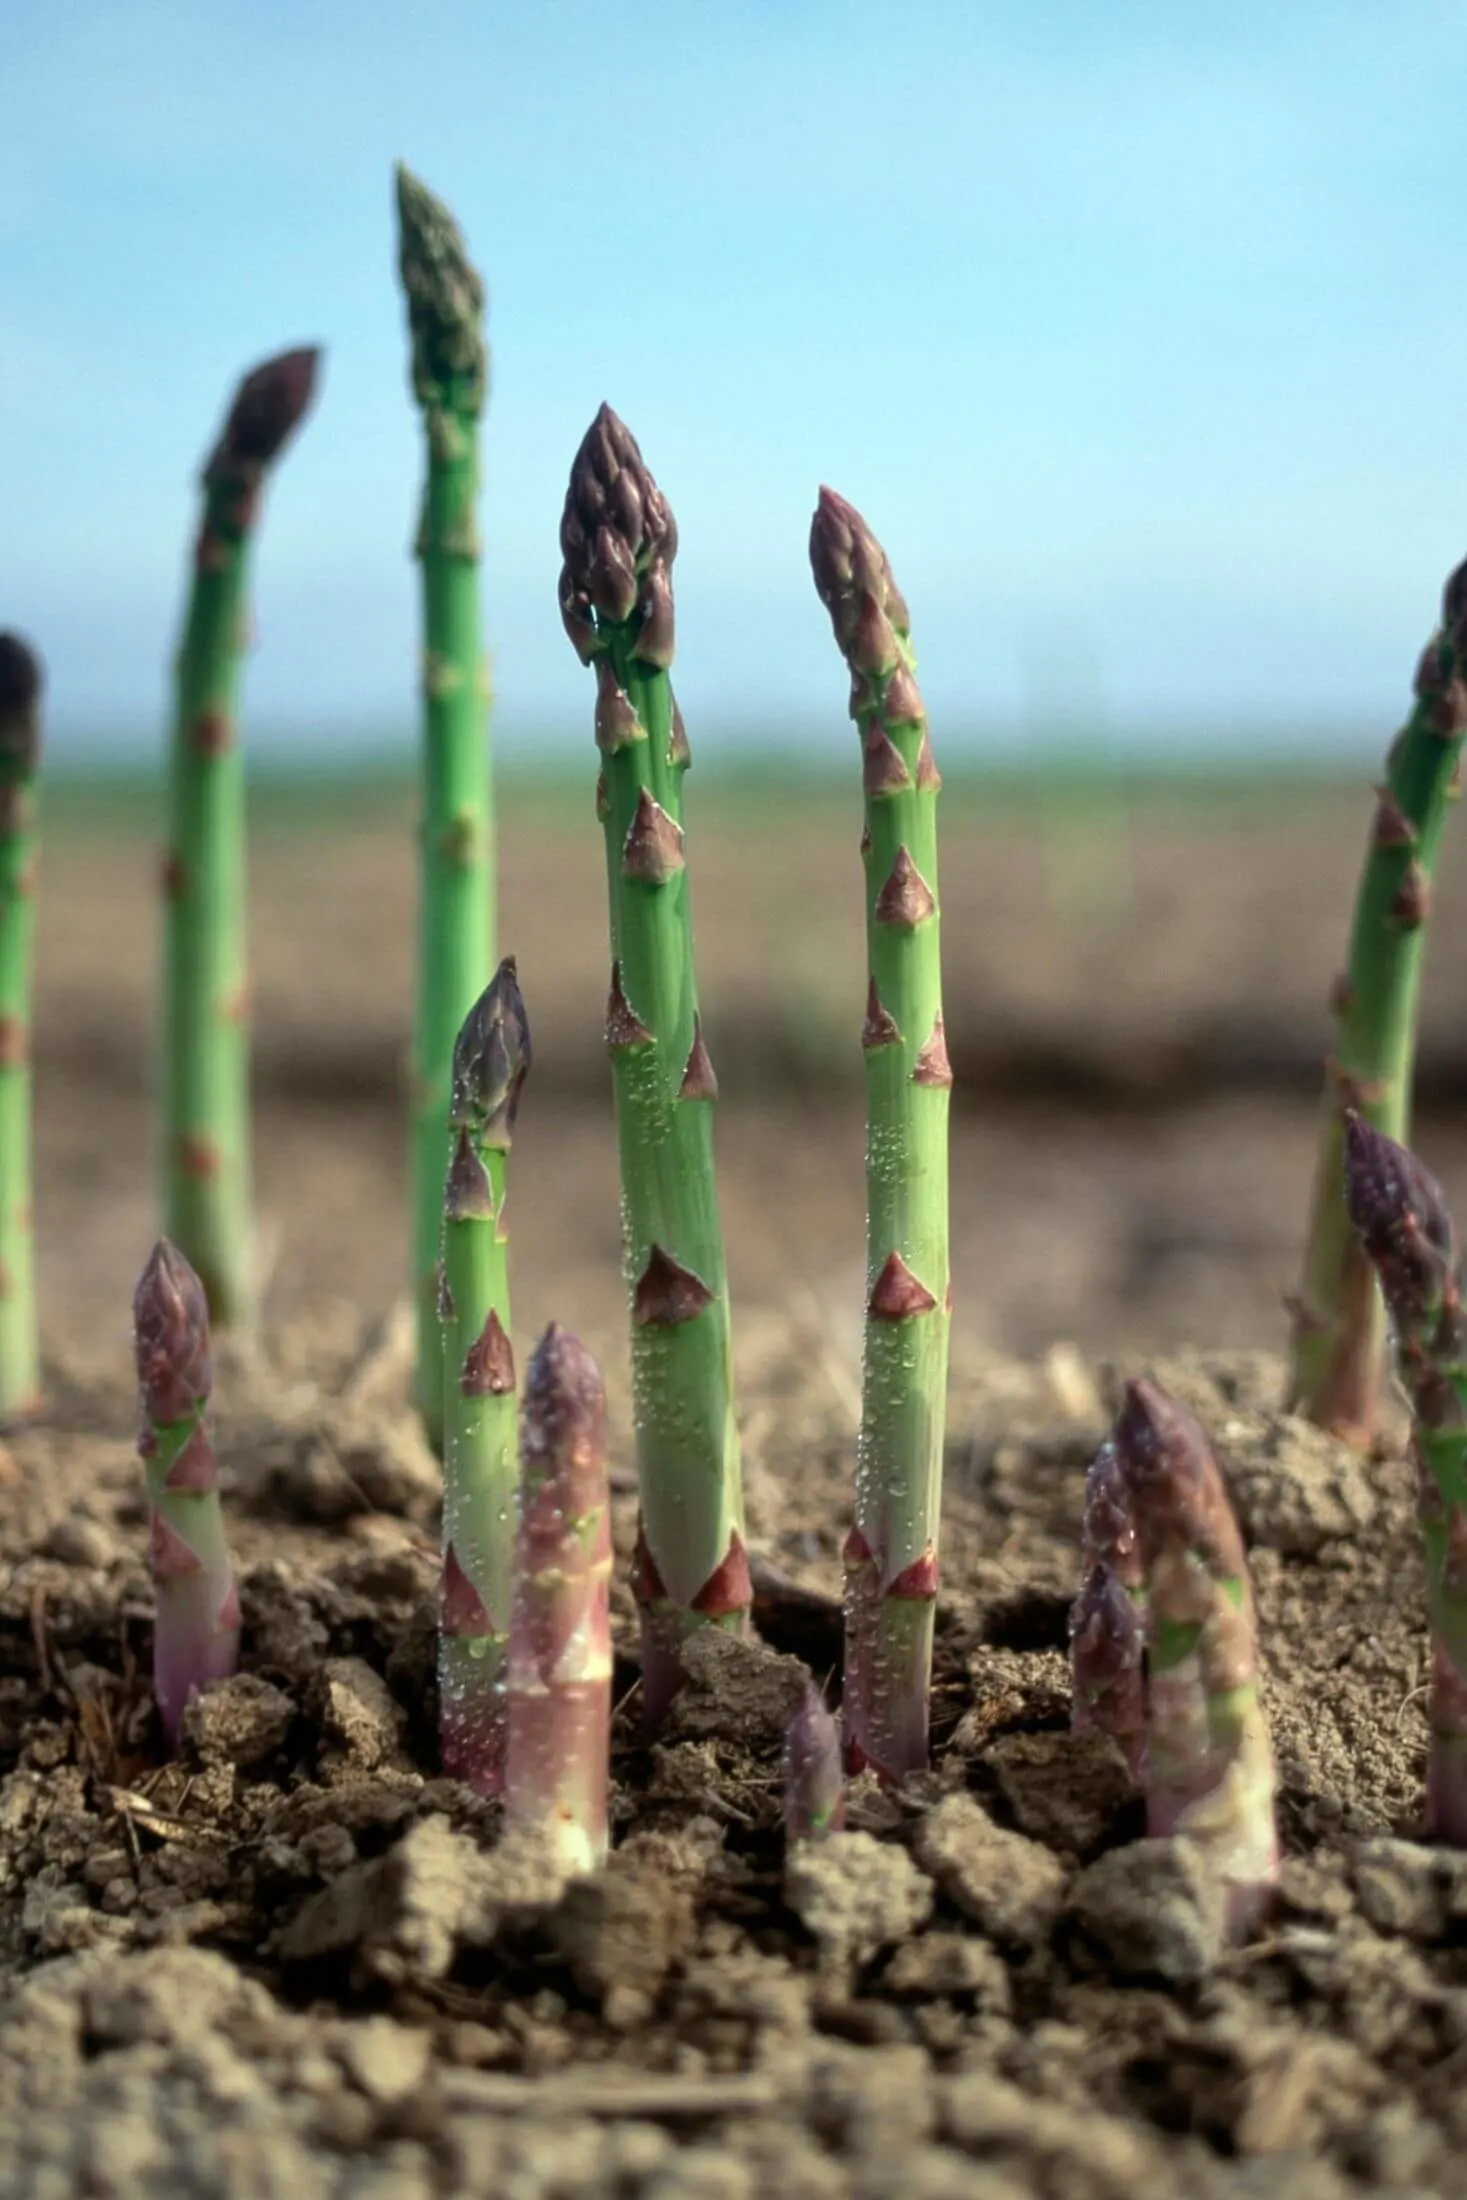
x=206 y=1141
x=556 y=1768
x=20 y=746
x=1339 y=1328
x=618 y=539
x=1209 y=1765
x=490 y=1064
x=196 y=1629
x=814 y=1784
x=1401 y=1219
x=891 y=1552
x=445 y=301
x=1107 y=1619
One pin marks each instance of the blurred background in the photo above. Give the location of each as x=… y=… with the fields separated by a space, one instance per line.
x=1135 y=333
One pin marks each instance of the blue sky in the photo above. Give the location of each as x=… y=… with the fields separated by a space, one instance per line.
x=1136 y=330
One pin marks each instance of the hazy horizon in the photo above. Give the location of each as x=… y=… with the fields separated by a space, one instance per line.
x=1133 y=333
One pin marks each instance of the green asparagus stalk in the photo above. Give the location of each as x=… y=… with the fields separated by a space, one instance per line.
x=196 y=1628
x=814 y=1783
x=891 y=1552
x=1401 y=1218
x=560 y=1665
x=450 y=369
x=206 y=1130
x=20 y=747
x=618 y=539
x=1108 y=1618
x=1209 y=1766
x=1339 y=1323
x=490 y=1064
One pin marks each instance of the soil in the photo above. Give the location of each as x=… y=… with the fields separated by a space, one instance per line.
x=296 y=1960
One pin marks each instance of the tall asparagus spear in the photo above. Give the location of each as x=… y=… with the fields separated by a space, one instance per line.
x=490 y=1064
x=560 y=1633
x=196 y=1628
x=445 y=301
x=618 y=539
x=1209 y=1765
x=206 y=1130
x=1401 y=1218
x=891 y=1552
x=1108 y=1620
x=1339 y=1329
x=20 y=745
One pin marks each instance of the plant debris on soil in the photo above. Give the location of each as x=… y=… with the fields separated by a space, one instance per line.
x=299 y=1961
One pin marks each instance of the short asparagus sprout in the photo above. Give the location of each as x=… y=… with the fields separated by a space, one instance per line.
x=560 y=1666
x=814 y=1782
x=1400 y=1215
x=1108 y=1618
x=206 y=1123
x=891 y=1553
x=196 y=1625
x=450 y=375
x=1339 y=1344
x=20 y=746
x=490 y=1064
x=618 y=539
x=1209 y=1769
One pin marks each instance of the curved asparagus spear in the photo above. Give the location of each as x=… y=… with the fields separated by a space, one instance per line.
x=618 y=539
x=490 y=1064
x=1108 y=1618
x=1339 y=1330
x=560 y=1666
x=445 y=300
x=20 y=745
x=206 y=1130
x=891 y=1552
x=196 y=1628
x=814 y=1783
x=1209 y=1764
x=1400 y=1216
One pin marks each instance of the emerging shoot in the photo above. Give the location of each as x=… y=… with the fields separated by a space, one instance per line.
x=20 y=750
x=1339 y=1326
x=196 y=1627
x=1401 y=1219
x=891 y=1552
x=556 y=1771
x=450 y=372
x=1209 y=1767
x=490 y=1064
x=618 y=539
x=206 y=1114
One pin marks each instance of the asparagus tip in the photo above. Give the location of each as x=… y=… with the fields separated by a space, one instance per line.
x=171 y=1336
x=21 y=680
x=565 y=1402
x=618 y=539
x=1398 y=1210
x=814 y=1786
x=445 y=300
x=268 y=407
x=491 y=1060
x=20 y=674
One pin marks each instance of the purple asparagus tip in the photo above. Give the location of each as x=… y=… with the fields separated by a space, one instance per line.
x=618 y=539
x=564 y=1413
x=268 y=407
x=560 y=1663
x=20 y=698
x=171 y=1337
x=491 y=1060
x=814 y=1785
x=1400 y=1215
